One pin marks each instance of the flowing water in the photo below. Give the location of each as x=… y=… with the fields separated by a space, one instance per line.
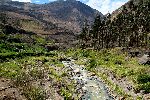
x=93 y=87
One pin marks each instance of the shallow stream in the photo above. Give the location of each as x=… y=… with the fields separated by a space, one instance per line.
x=93 y=88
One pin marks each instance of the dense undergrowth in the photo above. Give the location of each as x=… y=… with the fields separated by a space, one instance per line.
x=119 y=63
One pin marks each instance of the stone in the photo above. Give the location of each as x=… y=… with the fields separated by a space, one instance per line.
x=77 y=70
x=144 y=60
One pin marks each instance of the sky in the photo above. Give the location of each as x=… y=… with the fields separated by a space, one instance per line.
x=104 y=6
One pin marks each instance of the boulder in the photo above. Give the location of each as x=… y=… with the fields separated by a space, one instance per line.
x=145 y=59
x=77 y=71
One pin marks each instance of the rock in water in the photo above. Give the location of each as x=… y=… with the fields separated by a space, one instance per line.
x=144 y=60
x=77 y=71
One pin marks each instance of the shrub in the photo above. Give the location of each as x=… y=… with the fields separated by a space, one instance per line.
x=21 y=79
x=36 y=73
x=145 y=87
x=64 y=92
x=143 y=78
x=92 y=63
x=119 y=62
x=33 y=93
x=85 y=53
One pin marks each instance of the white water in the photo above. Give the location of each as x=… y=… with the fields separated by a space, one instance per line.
x=93 y=88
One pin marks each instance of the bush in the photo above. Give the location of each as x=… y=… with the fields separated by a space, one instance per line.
x=92 y=63
x=119 y=62
x=143 y=78
x=64 y=92
x=21 y=79
x=33 y=93
x=85 y=53
x=145 y=87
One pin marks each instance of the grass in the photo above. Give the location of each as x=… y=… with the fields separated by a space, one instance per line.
x=23 y=71
x=21 y=45
x=24 y=59
x=60 y=77
x=65 y=93
x=22 y=55
x=33 y=93
x=118 y=63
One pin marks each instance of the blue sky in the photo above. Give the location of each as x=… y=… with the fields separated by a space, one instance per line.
x=103 y=6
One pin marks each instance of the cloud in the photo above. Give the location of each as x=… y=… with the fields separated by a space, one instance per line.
x=22 y=0
x=37 y=1
x=100 y=5
x=52 y=0
x=105 y=6
x=115 y=5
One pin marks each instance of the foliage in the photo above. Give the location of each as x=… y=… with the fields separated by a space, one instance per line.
x=129 y=28
x=65 y=93
x=33 y=93
x=114 y=61
x=143 y=78
x=92 y=63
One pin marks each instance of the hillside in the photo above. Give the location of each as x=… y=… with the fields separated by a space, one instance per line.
x=70 y=14
x=72 y=18
x=129 y=6
x=126 y=27
x=133 y=20
x=42 y=57
x=48 y=19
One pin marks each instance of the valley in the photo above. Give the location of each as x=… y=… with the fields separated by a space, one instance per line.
x=77 y=54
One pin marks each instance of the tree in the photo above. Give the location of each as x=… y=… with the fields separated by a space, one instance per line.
x=95 y=29
x=84 y=36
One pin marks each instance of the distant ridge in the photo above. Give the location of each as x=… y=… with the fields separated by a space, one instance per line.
x=67 y=15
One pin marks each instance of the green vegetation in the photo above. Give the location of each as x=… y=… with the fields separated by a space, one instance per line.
x=29 y=69
x=20 y=45
x=25 y=59
x=117 y=63
x=127 y=27
x=33 y=93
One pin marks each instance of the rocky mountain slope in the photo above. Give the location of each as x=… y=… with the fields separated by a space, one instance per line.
x=55 y=21
x=59 y=15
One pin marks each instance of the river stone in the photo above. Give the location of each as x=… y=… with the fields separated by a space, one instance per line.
x=77 y=70
x=144 y=60
x=92 y=74
x=84 y=88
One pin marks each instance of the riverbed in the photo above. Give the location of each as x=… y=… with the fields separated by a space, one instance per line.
x=91 y=86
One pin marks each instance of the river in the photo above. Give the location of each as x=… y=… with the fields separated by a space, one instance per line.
x=93 y=88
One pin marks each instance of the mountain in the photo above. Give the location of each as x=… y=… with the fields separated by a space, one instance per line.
x=70 y=14
x=54 y=21
x=63 y=15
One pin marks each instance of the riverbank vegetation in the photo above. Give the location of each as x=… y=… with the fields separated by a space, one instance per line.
x=36 y=72
x=110 y=49
x=121 y=72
